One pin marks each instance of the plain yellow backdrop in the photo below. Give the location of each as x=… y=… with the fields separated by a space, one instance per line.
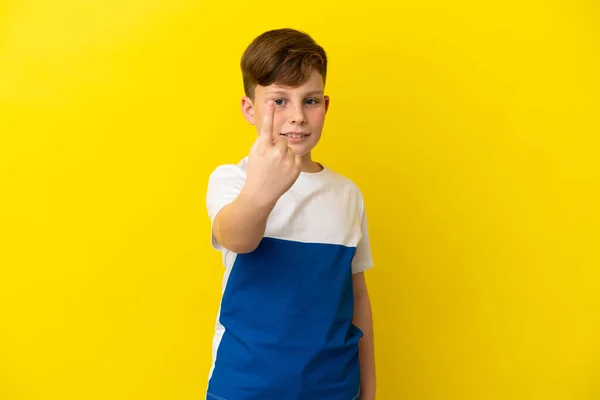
x=471 y=127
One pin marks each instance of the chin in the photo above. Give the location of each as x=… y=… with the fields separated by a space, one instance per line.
x=302 y=150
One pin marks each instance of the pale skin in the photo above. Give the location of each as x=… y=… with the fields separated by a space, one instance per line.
x=274 y=163
x=363 y=318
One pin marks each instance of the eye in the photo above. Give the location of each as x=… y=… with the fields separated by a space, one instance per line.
x=279 y=102
x=311 y=102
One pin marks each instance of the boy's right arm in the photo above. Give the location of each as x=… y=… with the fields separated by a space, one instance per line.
x=272 y=170
x=240 y=225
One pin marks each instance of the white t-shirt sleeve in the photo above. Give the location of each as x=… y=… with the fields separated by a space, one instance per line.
x=363 y=259
x=224 y=185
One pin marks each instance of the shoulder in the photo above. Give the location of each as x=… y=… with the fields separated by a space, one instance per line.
x=225 y=183
x=346 y=186
x=229 y=171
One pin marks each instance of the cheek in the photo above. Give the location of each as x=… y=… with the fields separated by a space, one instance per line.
x=257 y=119
x=317 y=116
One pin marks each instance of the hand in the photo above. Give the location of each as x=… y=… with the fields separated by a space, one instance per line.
x=273 y=167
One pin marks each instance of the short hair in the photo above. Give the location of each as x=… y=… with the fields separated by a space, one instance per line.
x=283 y=56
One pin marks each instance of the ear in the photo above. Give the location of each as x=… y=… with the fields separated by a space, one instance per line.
x=248 y=110
x=327 y=100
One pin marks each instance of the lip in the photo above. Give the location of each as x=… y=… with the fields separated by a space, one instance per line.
x=296 y=133
x=304 y=135
x=292 y=140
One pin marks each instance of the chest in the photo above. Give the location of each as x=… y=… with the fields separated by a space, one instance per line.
x=323 y=216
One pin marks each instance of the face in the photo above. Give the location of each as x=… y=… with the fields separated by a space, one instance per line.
x=299 y=112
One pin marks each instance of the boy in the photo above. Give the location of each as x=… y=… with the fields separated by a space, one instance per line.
x=295 y=317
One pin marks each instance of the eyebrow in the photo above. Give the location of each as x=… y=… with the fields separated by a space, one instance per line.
x=311 y=93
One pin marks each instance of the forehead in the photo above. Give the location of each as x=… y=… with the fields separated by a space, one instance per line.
x=313 y=85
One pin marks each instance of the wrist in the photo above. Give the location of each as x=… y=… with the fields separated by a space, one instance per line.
x=256 y=200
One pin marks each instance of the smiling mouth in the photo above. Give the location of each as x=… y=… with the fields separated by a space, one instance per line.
x=295 y=135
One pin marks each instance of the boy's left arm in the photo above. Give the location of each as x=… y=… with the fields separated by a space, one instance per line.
x=363 y=319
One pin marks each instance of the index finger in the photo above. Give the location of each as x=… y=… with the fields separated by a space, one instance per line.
x=266 y=129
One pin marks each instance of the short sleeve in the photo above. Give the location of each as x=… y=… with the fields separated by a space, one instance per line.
x=224 y=185
x=363 y=259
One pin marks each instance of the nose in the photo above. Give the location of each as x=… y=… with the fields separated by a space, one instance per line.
x=297 y=116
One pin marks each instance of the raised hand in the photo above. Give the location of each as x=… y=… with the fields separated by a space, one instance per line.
x=273 y=167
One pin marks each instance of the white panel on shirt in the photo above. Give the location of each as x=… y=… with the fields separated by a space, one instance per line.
x=323 y=207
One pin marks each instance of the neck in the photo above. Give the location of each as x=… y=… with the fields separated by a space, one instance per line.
x=308 y=165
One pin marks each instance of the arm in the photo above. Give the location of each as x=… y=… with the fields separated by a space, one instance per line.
x=363 y=319
x=272 y=170
x=240 y=225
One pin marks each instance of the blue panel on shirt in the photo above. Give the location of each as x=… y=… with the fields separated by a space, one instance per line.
x=287 y=311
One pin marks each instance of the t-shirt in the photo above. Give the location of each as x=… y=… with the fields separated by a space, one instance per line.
x=284 y=328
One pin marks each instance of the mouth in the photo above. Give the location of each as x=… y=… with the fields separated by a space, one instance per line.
x=295 y=135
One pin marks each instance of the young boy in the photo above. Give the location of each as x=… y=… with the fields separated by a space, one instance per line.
x=295 y=318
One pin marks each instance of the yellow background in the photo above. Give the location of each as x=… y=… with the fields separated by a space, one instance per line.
x=471 y=127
